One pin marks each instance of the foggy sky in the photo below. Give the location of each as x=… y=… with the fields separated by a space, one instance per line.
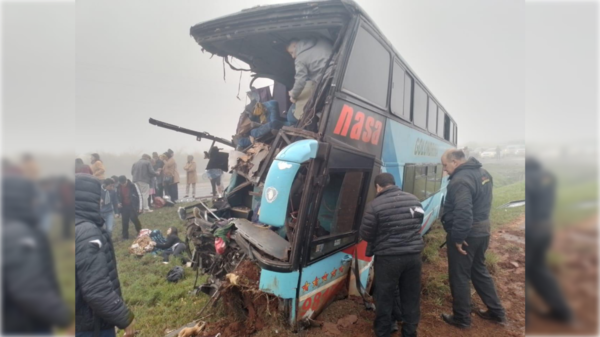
x=130 y=60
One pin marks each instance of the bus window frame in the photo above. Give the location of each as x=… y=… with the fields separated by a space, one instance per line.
x=403 y=114
x=364 y=25
x=312 y=217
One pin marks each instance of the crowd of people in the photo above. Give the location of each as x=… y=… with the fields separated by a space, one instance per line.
x=154 y=179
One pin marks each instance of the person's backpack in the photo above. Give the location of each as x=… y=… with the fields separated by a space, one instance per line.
x=175 y=274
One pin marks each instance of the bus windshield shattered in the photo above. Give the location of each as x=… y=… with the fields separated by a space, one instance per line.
x=344 y=106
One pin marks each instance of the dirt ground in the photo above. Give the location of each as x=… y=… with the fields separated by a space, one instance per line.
x=348 y=317
x=576 y=250
x=507 y=243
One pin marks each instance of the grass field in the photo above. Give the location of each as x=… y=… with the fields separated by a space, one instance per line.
x=157 y=304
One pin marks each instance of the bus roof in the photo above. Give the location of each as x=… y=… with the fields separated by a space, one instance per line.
x=207 y=34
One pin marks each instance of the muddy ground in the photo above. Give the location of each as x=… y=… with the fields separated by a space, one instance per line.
x=574 y=260
x=348 y=317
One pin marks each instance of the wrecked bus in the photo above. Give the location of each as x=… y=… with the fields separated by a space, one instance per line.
x=370 y=113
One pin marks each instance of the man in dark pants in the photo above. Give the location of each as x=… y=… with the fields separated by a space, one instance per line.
x=540 y=193
x=130 y=205
x=466 y=220
x=391 y=226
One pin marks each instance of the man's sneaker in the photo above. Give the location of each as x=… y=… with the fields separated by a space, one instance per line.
x=450 y=320
x=165 y=262
x=491 y=317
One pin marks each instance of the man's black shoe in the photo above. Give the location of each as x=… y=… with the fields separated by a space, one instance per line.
x=491 y=317
x=395 y=327
x=450 y=320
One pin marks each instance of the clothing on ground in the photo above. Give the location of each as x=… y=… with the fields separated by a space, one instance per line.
x=177 y=251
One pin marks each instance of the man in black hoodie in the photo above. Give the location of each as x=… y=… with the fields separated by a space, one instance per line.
x=31 y=299
x=466 y=220
x=391 y=226
x=99 y=305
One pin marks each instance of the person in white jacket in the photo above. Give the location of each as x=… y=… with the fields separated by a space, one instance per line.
x=310 y=58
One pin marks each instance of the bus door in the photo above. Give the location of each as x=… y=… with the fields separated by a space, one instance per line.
x=333 y=221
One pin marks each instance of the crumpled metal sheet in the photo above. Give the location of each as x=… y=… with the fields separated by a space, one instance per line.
x=248 y=164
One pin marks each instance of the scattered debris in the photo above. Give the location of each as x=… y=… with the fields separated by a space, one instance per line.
x=514 y=264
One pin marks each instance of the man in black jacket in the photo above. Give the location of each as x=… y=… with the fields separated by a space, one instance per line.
x=31 y=299
x=130 y=205
x=391 y=226
x=466 y=220
x=99 y=305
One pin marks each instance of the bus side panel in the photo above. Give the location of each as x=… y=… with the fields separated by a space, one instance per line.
x=321 y=283
x=365 y=266
x=405 y=145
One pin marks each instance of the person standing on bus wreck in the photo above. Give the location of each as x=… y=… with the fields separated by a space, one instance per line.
x=466 y=220
x=391 y=226
x=310 y=58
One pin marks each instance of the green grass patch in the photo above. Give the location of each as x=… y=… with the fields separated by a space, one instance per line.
x=503 y=195
x=575 y=202
x=436 y=287
x=491 y=261
x=157 y=304
x=433 y=240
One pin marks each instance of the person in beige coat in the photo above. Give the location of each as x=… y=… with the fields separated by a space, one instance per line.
x=192 y=176
x=171 y=176
x=97 y=166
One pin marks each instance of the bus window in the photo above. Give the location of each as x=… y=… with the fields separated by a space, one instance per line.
x=439 y=173
x=420 y=107
x=451 y=135
x=447 y=128
x=397 y=103
x=420 y=184
x=367 y=73
x=455 y=134
x=337 y=213
x=432 y=119
x=441 y=119
x=408 y=183
x=431 y=182
x=408 y=91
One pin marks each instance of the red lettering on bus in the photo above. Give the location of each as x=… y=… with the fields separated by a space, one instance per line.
x=357 y=128
x=364 y=128
x=343 y=123
x=377 y=133
x=366 y=136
